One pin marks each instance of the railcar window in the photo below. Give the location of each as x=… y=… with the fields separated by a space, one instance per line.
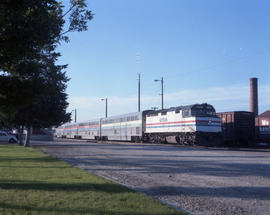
x=163 y=113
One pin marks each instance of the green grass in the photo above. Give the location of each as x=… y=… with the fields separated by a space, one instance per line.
x=32 y=182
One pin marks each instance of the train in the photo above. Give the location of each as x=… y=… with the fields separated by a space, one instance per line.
x=195 y=124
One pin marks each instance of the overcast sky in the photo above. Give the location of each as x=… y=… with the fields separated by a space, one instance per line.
x=206 y=50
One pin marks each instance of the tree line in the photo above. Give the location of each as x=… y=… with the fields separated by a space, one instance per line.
x=32 y=84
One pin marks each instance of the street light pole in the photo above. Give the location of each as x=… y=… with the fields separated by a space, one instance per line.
x=106 y=106
x=106 y=114
x=139 y=81
x=75 y=115
x=162 y=93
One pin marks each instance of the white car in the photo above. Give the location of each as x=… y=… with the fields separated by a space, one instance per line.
x=5 y=137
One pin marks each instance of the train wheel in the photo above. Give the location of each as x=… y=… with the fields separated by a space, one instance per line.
x=138 y=140
x=162 y=139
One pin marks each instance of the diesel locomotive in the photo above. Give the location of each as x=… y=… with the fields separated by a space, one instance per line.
x=195 y=124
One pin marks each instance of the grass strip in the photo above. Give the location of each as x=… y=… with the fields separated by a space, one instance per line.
x=32 y=182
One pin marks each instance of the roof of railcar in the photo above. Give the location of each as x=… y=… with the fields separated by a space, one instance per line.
x=183 y=107
x=110 y=117
x=77 y=123
x=122 y=115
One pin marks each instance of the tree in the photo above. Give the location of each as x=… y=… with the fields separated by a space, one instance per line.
x=49 y=108
x=43 y=86
x=29 y=77
x=28 y=26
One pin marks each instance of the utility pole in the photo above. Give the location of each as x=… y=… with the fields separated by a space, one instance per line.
x=139 y=92
x=139 y=81
x=162 y=93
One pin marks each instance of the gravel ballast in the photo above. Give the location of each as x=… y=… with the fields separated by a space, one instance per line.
x=195 y=179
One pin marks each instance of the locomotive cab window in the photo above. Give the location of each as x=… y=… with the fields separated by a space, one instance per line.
x=203 y=110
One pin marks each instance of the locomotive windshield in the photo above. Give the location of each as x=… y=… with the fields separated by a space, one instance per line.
x=203 y=110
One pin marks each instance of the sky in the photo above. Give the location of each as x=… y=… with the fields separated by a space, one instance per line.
x=205 y=50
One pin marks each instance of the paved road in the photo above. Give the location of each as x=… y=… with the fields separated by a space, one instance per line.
x=198 y=180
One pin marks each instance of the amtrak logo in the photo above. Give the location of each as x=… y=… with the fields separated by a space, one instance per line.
x=163 y=119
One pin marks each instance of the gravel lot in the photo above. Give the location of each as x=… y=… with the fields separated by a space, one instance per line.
x=197 y=180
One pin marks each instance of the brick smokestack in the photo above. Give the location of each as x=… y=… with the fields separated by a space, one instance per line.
x=253 y=102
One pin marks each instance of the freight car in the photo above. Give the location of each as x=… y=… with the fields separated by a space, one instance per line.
x=192 y=124
x=262 y=124
x=237 y=127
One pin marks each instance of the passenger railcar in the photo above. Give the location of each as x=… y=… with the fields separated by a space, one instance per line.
x=59 y=132
x=84 y=130
x=66 y=131
x=89 y=130
x=128 y=127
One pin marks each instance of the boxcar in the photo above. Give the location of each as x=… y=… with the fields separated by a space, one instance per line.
x=237 y=127
x=262 y=129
